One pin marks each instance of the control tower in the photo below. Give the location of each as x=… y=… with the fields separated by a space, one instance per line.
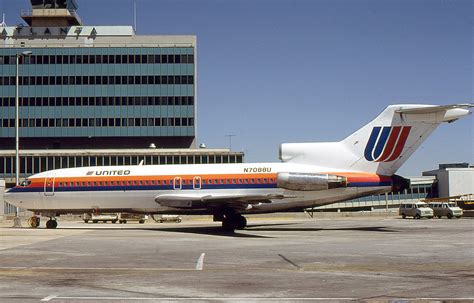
x=52 y=13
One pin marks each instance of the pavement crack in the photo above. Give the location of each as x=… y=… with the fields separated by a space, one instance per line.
x=290 y=262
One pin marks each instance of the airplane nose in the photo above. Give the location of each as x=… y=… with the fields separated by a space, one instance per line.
x=9 y=196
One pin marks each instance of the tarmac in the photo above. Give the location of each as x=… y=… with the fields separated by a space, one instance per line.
x=300 y=259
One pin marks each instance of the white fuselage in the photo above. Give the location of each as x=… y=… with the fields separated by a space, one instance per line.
x=135 y=188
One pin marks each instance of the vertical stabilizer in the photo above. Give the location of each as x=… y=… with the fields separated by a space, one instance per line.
x=381 y=146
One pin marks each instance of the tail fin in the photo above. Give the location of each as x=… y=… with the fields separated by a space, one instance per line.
x=381 y=146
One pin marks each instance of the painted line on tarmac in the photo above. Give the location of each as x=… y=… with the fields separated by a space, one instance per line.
x=238 y=299
x=94 y=268
x=200 y=262
x=49 y=298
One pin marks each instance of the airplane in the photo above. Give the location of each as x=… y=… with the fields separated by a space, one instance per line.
x=308 y=175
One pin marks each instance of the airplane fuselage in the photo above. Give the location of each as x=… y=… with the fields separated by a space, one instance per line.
x=135 y=188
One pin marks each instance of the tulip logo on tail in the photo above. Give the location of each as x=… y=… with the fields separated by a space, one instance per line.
x=386 y=143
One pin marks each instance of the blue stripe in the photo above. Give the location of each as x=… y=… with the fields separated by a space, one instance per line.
x=382 y=141
x=142 y=187
x=370 y=145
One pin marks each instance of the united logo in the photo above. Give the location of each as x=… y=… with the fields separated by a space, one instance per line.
x=386 y=143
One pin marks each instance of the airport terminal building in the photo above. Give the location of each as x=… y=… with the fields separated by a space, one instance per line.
x=96 y=95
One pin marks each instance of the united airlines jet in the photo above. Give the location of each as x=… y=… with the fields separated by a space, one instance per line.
x=309 y=174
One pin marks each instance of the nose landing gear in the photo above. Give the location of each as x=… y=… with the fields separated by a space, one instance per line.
x=34 y=222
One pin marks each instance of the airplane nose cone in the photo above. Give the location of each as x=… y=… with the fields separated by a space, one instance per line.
x=10 y=197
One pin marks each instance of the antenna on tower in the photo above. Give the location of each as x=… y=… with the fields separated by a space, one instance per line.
x=135 y=16
x=3 y=24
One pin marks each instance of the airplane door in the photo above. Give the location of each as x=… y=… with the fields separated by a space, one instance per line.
x=197 y=182
x=49 y=186
x=177 y=183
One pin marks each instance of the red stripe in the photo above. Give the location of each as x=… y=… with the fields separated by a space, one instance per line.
x=390 y=144
x=401 y=143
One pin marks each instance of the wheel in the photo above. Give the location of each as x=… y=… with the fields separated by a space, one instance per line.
x=241 y=222
x=439 y=217
x=86 y=221
x=34 y=222
x=417 y=216
x=404 y=216
x=114 y=221
x=228 y=225
x=95 y=221
x=459 y=217
x=51 y=224
x=124 y=221
x=141 y=221
x=449 y=215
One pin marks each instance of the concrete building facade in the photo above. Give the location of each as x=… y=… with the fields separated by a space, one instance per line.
x=96 y=95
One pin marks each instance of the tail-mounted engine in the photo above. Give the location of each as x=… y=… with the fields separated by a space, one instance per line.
x=309 y=182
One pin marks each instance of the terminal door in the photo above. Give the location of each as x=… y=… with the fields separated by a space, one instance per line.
x=49 y=186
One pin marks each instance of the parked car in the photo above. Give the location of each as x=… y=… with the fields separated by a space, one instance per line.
x=104 y=217
x=416 y=210
x=448 y=209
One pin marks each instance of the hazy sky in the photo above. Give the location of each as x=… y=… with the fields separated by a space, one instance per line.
x=274 y=71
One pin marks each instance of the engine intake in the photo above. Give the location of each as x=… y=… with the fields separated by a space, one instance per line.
x=309 y=182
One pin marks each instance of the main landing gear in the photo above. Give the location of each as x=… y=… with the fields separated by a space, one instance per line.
x=35 y=221
x=232 y=221
x=51 y=223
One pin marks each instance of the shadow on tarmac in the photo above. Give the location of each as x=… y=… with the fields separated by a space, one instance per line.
x=371 y=229
x=216 y=230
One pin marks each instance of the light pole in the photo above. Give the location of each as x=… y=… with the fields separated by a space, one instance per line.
x=17 y=117
x=230 y=140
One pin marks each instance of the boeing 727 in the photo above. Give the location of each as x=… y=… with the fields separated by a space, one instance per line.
x=309 y=174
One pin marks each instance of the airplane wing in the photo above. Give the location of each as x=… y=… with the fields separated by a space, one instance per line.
x=236 y=201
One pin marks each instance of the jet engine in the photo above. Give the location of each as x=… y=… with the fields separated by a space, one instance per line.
x=309 y=182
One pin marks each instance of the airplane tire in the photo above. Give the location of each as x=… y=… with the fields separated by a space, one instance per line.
x=34 y=222
x=51 y=224
x=228 y=225
x=241 y=222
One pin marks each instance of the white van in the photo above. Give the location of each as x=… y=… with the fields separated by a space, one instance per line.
x=448 y=209
x=416 y=210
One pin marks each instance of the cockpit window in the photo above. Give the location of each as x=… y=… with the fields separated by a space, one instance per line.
x=25 y=183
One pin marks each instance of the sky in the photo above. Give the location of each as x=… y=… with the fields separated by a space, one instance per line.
x=277 y=71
